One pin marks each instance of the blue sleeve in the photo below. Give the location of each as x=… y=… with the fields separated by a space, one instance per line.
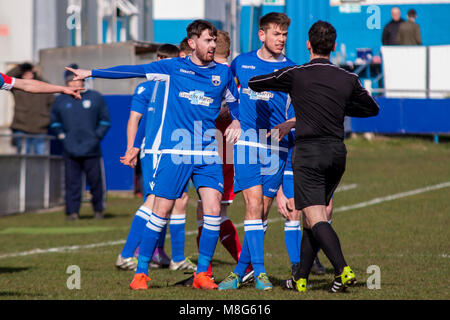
x=2 y=81
x=140 y=134
x=232 y=97
x=141 y=98
x=120 y=72
x=136 y=71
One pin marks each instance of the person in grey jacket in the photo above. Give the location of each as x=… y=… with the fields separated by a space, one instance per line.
x=81 y=125
x=409 y=31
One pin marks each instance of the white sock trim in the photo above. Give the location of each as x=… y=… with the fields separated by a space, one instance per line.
x=144 y=213
x=211 y=222
x=252 y=225
x=156 y=223
x=177 y=219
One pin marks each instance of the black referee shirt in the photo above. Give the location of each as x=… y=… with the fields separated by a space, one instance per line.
x=322 y=94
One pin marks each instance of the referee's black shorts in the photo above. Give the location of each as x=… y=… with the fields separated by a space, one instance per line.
x=318 y=166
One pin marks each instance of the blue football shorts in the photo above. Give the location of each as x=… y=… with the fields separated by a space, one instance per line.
x=171 y=176
x=259 y=164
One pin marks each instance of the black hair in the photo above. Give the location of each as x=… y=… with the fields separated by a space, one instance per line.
x=167 y=50
x=412 y=13
x=322 y=36
x=196 y=28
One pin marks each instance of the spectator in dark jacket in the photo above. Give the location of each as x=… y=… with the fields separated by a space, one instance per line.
x=409 y=31
x=31 y=113
x=81 y=125
x=389 y=37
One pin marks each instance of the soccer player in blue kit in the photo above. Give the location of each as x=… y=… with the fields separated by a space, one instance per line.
x=195 y=88
x=145 y=114
x=259 y=162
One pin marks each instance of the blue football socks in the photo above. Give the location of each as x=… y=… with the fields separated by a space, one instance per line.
x=150 y=237
x=208 y=241
x=135 y=234
x=292 y=239
x=177 y=223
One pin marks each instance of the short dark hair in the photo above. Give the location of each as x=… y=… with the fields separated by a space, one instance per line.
x=322 y=36
x=412 y=13
x=184 y=46
x=167 y=50
x=25 y=67
x=277 y=18
x=196 y=28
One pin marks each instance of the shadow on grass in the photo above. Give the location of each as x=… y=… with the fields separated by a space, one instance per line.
x=105 y=216
x=4 y=270
x=18 y=294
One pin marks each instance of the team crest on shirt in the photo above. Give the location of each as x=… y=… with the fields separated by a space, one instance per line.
x=140 y=90
x=87 y=104
x=216 y=80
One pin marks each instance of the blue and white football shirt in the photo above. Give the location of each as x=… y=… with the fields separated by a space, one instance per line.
x=189 y=106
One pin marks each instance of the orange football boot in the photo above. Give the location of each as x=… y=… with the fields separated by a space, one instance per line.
x=204 y=281
x=140 y=281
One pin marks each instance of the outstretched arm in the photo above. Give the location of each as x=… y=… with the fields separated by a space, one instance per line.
x=119 y=72
x=36 y=86
x=280 y=80
x=282 y=129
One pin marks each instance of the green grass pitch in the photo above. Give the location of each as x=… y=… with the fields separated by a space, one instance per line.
x=405 y=234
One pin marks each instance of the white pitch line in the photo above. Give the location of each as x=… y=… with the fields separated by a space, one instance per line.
x=346 y=187
x=238 y=225
x=392 y=197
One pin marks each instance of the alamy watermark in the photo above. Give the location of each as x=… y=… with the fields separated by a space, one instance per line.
x=374 y=280
x=199 y=146
x=74 y=280
x=374 y=20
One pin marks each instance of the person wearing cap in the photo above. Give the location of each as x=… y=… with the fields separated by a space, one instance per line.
x=409 y=31
x=81 y=125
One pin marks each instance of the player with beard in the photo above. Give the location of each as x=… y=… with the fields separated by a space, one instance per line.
x=195 y=88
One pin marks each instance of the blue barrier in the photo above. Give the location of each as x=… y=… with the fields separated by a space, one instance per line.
x=431 y=116
x=118 y=176
x=414 y=116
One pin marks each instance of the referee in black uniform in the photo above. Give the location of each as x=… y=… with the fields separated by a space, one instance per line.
x=322 y=95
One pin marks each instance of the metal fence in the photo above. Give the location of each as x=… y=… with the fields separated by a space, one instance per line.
x=30 y=182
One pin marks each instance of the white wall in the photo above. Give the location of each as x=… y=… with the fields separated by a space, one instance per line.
x=18 y=16
x=178 y=9
x=16 y=46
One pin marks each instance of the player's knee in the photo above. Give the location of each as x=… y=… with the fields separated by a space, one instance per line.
x=294 y=215
x=181 y=204
x=254 y=209
x=329 y=209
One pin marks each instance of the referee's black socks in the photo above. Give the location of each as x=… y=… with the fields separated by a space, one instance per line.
x=329 y=242
x=308 y=251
